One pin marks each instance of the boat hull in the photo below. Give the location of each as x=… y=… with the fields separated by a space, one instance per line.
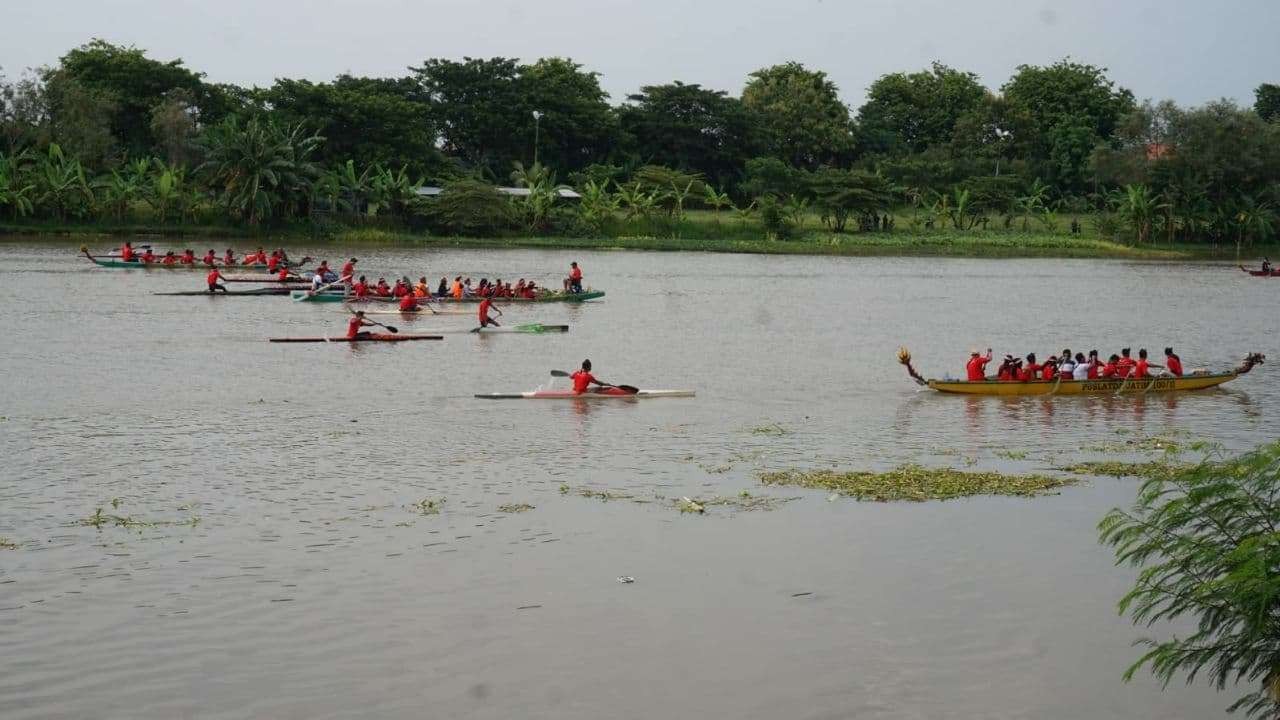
x=1260 y=273
x=378 y=337
x=1083 y=387
x=122 y=265
x=570 y=395
x=305 y=296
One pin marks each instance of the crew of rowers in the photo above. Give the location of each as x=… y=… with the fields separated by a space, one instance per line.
x=273 y=261
x=1067 y=366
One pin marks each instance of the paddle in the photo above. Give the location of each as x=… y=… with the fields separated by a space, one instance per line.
x=322 y=288
x=391 y=328
x=629 y=389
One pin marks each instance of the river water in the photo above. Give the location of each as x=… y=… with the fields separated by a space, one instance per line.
x=283 y=566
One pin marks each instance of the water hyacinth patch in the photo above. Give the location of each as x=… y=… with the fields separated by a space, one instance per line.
x=1114 y=468
x=917 y=484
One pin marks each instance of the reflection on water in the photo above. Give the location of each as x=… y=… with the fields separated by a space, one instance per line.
x=314 y=583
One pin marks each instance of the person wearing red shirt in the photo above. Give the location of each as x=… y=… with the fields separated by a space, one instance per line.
x=401 y=289
x=1111 y=369
x=1006 y=371
x=349 y=268
x=211 y=258
x=273 y=262
x=409 y=303
x=1124 y=365
x=1095 y=366
x=188 y=258
x=573 y=283
x=1049 y=370
x=212 y=278
x=148 y=256
x=530 y=291
x=169 y=259
x=583 y=379
x=1172 y=362
x=353 y=326
x=976 y=369
x=258 y=258
x=1031 y=370
x=382 y=289
x=283 y=275
x=229 y=258
x=483 y=313
x=1141 y=369
x=127 y=254
x=361 y=288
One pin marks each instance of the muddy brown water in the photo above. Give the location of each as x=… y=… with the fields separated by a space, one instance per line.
x=312 y=585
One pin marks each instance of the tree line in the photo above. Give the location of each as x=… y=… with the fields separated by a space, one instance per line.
x=109 y=129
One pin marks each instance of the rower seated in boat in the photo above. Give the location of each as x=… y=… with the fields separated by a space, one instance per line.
x=583 y=379
x=188 y=257
x=1008 y=369
x=169 y=259
x=1172 y=362
x=1049 y=371
x=422 y=289
x=1124 y=366
x=1111 y=369
x=401 y=289
x=1031 y=370
x=127 y=254
x=361 y=288
x=382 y=289
x=1080 y=371
x=975 y=369
x=1141 y=369
x=353 y=326
x=210 y=258
x=409 y=303
x=229 y=258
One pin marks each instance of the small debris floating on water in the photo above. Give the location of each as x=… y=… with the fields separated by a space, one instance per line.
x=690 y=506
x=917 y=484
x=7 y=544
x=626 y=579
x=428 y=506
x=1113 y=468
x=515 y=508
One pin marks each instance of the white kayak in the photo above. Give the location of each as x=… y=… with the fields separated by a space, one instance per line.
x=602 y=394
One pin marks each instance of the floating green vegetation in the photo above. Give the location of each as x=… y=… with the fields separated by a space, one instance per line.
x=1155 y=469
x=742 y=501
x=1011 y=454
x=915 y=483
x=595 y=494
x=100 y=519
x=6 y=544
x=1170 y=442
x=515 y=508
x=774 y=429
x=429 y=506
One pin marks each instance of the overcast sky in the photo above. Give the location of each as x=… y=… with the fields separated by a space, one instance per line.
x=1188 y=50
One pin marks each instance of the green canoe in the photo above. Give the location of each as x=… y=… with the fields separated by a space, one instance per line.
x=559 y=296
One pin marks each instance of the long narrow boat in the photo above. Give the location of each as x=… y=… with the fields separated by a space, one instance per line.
x=422 y=311
x=602 y=394
x=557 y=296
x=375 y=337
x=528 y=329
x=112 y=262
x=1274 y=272
x=254 y=292
x=1198 y=380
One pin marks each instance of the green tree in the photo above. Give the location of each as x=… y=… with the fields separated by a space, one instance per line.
x=17 y=192
x=770 y=176
x=911 y=111
x=690 y=128
x=365 y=120
x=841 y=194
x=80 y=120
x=1267 y=102
x=175 y=128
x=262 y=170
x=577 y=125
x=24 y=113
x=800 y=114
x=1207 y=543
x=134 y=83
x=62 y=188
x=471 y=208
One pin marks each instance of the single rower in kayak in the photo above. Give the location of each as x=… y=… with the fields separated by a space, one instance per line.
x=212 y=278
x=583 y=379
x=353 y=326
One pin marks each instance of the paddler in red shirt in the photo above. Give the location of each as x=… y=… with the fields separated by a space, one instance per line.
x=169 y=259
x=212 y=278
x=1142 y=369
x=127 y=254
x=229 y=258
x=354 y=325
x=283 y=275
x=573 y=283
x=273 y=262
x=211 y=258
x=1125 y=365
x=1095 y=365
x=409 y=303
x=382 y=289
x=1172 y=362
x=349 y=268
x=401 y=289
x=483 y=313
x=976 y=369
x=1049 y=370
x=583 y=379
x=1031 y=370
x=361 y=289
x=1112 y=367
x=148 y=257
x=188 y=257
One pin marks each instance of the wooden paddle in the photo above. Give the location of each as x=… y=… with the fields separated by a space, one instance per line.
x=322 y=288
x=629 y=389
x=391 y=328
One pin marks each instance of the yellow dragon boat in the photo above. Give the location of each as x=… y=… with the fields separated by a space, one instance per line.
x=1195 y=380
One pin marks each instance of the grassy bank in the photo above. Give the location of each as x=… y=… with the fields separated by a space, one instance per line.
x=701 y=232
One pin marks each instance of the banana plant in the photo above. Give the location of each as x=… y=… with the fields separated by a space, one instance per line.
x=797 y=210
x=16 y=193
x=62 y=184
x=717 y=201
x=636 y=202
x=597 y=204
x=393 y=190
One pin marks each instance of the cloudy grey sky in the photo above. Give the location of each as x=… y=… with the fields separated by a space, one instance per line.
x=1188 y=50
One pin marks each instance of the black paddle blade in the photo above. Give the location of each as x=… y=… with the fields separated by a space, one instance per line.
x=628 y=389
x=392 y=328
x=559 y=373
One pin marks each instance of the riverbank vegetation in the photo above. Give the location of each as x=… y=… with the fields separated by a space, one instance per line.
x=1058 y=160
x=1205 y=539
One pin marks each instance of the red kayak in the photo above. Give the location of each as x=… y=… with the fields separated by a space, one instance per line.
x=373 y=337
x=1261 y=273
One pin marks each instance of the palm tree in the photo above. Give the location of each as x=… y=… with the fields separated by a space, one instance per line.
x=262 y=169
x=1253 y=220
